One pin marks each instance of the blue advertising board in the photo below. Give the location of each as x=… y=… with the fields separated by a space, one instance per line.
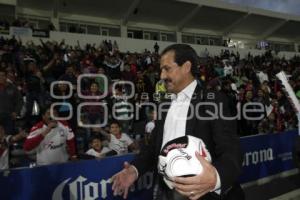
x=264 y=155
x=88 y=179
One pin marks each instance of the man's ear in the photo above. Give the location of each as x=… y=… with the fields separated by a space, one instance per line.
x=187 y=67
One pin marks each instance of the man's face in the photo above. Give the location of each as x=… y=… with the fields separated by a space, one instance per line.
x=94 y=88
x=260 y=93
x=279 y=94
x=139 y=75
x=62 y=87
x=70 y=71
x=47 y=116
x=153 y=115
x=274 y=103
x=115 y=129
x=173 y=75
x=249 y=95
x=31 y=66
x=100 y=71
x=96 y=144
x=118 y=93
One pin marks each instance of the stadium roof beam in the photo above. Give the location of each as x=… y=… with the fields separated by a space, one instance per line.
x=272 y=29
x=9 y=2
x=217 y=4
x=188 y=17
x=129 y=11
x=297 y=40
x=240 y=8
x=235 y=23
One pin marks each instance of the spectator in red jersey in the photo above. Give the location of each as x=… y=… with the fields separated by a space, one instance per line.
x=53 y=140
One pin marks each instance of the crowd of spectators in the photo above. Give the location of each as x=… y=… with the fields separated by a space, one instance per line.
x=28 y=71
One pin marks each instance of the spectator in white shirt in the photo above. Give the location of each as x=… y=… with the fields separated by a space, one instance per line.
x=228 y=70
x=150 y=125
x=97 y=149
x=205 y=53
x=263 y=76
x=118 y=141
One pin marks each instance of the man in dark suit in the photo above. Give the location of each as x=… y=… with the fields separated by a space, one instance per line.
x=203 y=115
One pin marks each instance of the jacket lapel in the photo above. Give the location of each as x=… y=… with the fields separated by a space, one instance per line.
x=190 y=123
x=163 y=111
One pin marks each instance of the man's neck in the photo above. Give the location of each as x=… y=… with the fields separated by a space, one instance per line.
x=187 y=83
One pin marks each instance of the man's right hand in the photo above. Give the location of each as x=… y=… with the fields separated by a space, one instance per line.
x=123 y=180
x=50 y=126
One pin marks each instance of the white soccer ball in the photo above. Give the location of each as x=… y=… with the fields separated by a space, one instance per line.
x=177 y=158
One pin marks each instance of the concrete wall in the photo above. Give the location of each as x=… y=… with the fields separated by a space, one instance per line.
x=137 y=45
x=8 y=2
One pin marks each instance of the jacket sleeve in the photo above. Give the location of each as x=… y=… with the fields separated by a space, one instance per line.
x=18 y=101
x=228 y=153
x=146 y=160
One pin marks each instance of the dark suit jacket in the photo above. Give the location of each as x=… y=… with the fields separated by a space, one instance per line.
x=219 y=135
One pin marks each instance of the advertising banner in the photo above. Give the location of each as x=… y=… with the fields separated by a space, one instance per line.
x=266 y=155
x=40 y=33
x=20 y=31
x=82 y=180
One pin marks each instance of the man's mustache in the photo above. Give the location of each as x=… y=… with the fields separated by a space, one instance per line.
x=167 y=81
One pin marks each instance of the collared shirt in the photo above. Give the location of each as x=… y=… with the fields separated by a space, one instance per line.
x=175 y=123
x=93 y=152
x=120 y=145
